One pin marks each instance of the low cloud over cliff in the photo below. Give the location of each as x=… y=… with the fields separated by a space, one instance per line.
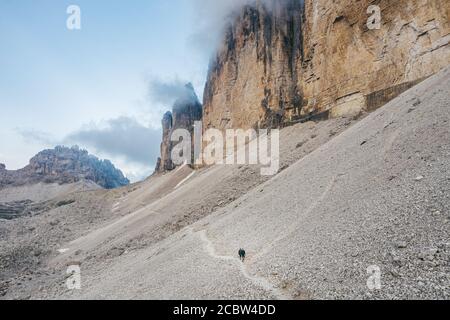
x=122 y=137
x=167 y=92
x=213 y=16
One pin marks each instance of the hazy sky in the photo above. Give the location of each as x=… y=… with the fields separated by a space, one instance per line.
x=92 y=87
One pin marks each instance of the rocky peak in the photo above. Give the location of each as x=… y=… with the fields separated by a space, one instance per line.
x=164 y=163
x=167 y=121
x=187 y=98
x=2 y=167
x=186 y=110
x=66 y=165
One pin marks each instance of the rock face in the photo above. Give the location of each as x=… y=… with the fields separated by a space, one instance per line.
x=284 y=61
x=253 y=79
x=65 y=165
x=13 y=210
x=165 y=162
x=186 y=110
x=348 y=67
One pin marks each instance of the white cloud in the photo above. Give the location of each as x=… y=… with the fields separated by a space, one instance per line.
x=122 y=138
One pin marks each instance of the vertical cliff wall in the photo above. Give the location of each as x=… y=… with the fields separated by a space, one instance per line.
x=253 y=78
x=281 y=61
x=347 y=67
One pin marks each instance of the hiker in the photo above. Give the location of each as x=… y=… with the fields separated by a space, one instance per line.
x=242 y=254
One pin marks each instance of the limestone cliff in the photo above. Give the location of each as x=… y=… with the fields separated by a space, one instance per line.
x=348 y=67
x=253 y=78
x=284 y=61
x=185 y=111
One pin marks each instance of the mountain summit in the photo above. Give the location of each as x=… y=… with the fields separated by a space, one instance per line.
x=64 y=165
x=185 y=111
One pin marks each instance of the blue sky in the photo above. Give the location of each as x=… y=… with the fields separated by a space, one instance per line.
x=57 y=83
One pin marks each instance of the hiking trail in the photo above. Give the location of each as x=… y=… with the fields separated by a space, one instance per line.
x=259 y=281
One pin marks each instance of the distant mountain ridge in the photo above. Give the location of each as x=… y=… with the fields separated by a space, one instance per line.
x=64 y=165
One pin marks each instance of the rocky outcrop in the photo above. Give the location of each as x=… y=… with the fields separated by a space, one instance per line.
x=165 y=162
x=186 y=110
x=13 y=210
x=284 y=61
x=65 y=165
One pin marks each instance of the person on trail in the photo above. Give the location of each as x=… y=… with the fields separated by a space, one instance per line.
x=242 y=254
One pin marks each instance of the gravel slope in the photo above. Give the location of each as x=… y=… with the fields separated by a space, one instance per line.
x=349 y=196
x=377 y=194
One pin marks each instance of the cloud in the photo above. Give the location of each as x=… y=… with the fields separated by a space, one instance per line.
x=36 y=136
x=211 y=19
x=122 y=137
x=167 y=92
